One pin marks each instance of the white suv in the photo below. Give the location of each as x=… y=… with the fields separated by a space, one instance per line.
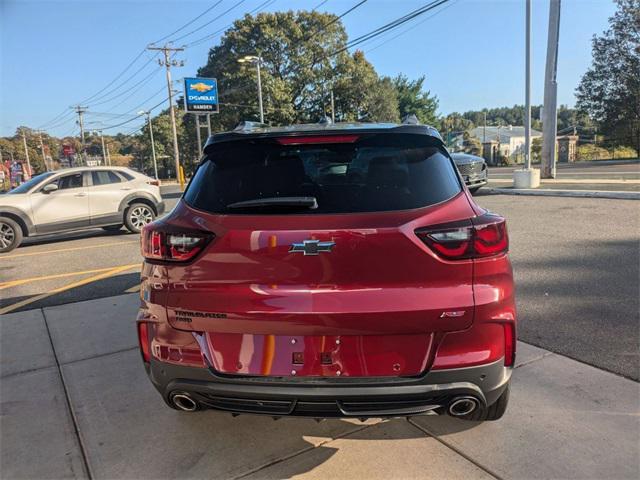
x=78 y=198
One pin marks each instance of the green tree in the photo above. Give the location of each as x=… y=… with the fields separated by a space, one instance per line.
x=610 y=90
x=300 y=67
x=413 y=99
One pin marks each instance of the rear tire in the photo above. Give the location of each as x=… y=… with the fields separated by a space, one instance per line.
x=112 y=228
x=492 y=412
x=10 y=235
x=137 y=216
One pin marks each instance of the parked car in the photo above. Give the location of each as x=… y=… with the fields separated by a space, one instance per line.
x=473 y=170
x=78 y=198
x=328 y=271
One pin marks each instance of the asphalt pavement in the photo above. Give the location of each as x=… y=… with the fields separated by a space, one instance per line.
x=576 y=263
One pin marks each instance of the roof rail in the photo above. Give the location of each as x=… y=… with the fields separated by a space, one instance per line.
x=410 y=119
x=246 y=126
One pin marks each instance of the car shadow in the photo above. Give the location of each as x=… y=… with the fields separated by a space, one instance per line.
x=106 y=287
x=75 y=235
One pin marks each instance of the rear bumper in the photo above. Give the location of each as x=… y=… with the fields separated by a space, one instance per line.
x=321 y=398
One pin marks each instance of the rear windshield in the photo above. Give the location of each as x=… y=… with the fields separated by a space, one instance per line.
x=374 y=174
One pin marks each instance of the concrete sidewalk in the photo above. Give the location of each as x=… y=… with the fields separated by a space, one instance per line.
x=76 y=403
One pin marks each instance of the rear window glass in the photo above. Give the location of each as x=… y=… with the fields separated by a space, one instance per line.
x=104 y=177
x=378 y=173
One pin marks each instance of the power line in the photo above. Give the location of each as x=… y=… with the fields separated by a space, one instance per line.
x=407 y=30
x=117 y=77
x=319 y=5
x=334 y=20
x=131 y=91
x=391 y=25
x=210 y=21
x=115 y=89
x=189 y=22
x=209 y=36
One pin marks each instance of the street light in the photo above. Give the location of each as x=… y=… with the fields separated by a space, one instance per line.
x=153 y=147
x=257 y=61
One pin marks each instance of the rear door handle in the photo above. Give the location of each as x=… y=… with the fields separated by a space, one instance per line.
x=81 y=194
x=125 y=188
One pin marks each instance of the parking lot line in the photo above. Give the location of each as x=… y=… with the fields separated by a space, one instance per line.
x=134 y=289
x=71 y=249
x=15 y=283
x=79 y=283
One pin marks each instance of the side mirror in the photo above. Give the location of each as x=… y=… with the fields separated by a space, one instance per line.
x=50 y=187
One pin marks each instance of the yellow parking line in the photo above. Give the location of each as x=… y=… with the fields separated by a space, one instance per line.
x=15 y=283
x=64 y=288
x=134 y=289
x=71 y=249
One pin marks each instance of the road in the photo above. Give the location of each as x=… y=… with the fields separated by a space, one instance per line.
x=576 y=263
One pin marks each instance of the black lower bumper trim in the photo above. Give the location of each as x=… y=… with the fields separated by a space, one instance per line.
x=353 y=398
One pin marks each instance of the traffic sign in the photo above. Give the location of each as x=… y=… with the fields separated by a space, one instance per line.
x=201 y=95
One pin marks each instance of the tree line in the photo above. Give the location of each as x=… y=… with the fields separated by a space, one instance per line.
x=305 y=61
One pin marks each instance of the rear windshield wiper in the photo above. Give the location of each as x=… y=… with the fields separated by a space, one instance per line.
x=308 y=202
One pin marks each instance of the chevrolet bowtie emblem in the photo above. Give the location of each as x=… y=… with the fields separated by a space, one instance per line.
x=311 y=247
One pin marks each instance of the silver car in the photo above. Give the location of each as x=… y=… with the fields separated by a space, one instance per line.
x=473 y=170
x=78 y=198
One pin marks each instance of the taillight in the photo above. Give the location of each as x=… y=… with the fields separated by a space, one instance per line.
x=509 y=344
x=155 y=183
x=143 y=341
x=479 y=237
x=169 y=246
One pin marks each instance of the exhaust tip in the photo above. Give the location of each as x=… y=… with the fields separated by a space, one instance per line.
x=184 y=402
x=462 y=406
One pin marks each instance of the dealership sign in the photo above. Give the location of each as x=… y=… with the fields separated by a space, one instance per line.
x=201 y=95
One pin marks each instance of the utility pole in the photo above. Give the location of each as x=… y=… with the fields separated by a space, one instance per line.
x=44 y=157
x=104 y=150
x=527 y=177
x=168 y=63
x=153 y=145
x=527 y=92
x=26 y=153
x=108 y=155
x=550 y=119
x=80 y=111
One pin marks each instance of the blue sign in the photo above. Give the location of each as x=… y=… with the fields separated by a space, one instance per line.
x=201 y=95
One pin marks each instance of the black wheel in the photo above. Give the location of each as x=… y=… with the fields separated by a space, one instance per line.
x=474 y=190
x=137 y=216
x=494 y=411
x=112 y=228
x=10 y=235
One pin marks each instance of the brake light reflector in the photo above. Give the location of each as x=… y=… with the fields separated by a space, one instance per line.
x=509 y=344
x=484 y=236
x=172 y=246
x=143 y=341
x=317 y=139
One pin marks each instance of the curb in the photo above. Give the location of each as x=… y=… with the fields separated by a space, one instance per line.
x=616 y=195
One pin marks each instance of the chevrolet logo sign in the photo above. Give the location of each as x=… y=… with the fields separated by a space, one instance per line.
x=311 y=247
x=201 y=87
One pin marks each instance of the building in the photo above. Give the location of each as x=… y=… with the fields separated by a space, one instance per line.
x=506 y=142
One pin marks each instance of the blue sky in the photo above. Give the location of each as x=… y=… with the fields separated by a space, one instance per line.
x=56 y=53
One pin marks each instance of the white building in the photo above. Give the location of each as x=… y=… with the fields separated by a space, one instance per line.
x=508 y=140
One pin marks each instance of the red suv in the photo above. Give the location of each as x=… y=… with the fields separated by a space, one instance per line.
x=329 y=270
